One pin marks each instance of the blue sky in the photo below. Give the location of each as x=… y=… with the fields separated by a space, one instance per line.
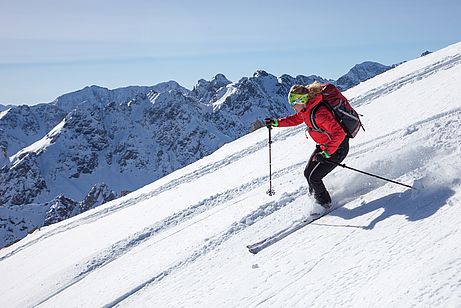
x=50 y=47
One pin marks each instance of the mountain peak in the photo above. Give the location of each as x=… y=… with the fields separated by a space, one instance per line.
x=221 y=78
x=206 y=91
x=361 y=72
x=260 y=73
x=427 y=52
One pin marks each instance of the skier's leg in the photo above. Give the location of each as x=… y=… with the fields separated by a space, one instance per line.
x=318 y=171
x=310 y=166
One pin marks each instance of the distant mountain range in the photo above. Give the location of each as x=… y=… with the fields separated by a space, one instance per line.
x=93 y=145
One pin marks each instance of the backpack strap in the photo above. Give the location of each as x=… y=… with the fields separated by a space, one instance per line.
x=315 y=127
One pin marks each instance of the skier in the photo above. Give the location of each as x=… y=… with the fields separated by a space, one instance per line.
x=332 y=143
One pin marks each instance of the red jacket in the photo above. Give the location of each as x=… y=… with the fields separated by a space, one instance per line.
x=332 y=134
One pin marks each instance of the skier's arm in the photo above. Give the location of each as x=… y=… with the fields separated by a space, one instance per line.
x=292 y=120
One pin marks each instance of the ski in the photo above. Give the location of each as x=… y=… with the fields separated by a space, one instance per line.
x=276 y=237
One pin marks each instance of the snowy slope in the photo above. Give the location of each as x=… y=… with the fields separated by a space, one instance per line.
x=180 y=241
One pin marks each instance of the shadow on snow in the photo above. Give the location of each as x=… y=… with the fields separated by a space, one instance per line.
x=415 y=206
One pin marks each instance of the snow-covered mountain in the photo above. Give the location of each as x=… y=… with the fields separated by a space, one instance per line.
x=23 y=125
x=209 y=91
x=53 y=155
x=95 y=95
x=180 y=241
x=361 y=72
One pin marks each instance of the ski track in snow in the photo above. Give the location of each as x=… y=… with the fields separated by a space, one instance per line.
x=327 y=256
x=398 y=83
x=115 y=251
x=368 y=145
x=168 y=186
x=261 y=212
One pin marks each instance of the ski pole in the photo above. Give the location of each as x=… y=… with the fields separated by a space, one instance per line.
x=270 y=192
x=370 y=174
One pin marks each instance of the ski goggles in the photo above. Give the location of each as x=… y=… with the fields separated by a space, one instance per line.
x=295 y=99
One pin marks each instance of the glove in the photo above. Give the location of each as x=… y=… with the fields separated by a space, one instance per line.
x=322 y=157
x=271 y=122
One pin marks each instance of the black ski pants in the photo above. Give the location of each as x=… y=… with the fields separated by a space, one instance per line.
x=316 y=171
